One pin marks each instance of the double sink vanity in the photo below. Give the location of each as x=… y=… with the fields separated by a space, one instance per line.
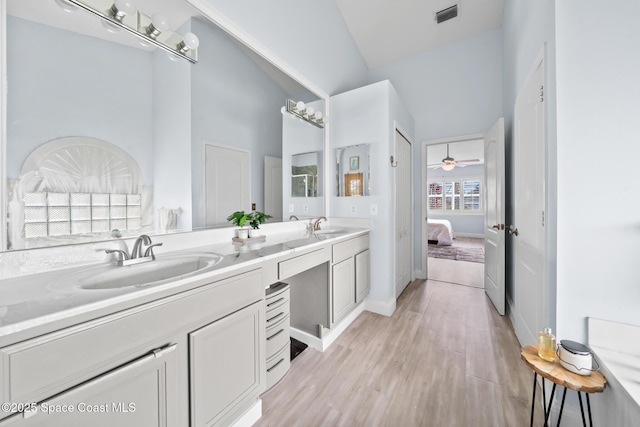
x=182 y=339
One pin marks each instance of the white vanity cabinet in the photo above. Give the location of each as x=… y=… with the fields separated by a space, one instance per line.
x=349 y=275
x=142 y=392
x=210 y=338
x=226 y=365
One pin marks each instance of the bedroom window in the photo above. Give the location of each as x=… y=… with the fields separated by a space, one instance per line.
x=461 y=195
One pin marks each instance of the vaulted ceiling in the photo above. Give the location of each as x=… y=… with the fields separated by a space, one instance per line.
x=388 y=30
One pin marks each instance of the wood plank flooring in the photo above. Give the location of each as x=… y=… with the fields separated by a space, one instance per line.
x=445 y=358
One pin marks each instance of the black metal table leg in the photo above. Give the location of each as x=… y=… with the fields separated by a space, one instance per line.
x=533 y=399
x=589 y=409
x=584 y=423
x=544 y=404
x=548 y=410
x=564 y=394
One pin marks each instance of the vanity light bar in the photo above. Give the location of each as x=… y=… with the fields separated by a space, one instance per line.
x=143 y=27
x=298 y=109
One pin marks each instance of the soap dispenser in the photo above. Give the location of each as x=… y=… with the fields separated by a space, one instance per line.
x=547 y=345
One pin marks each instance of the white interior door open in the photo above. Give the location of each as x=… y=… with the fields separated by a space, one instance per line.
x=528 y=228
x=494 y=216
x=404 y=228
x=273 y=187
x=227 y=182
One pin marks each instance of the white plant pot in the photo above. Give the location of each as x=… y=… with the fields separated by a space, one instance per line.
x=254 y=232
x=243 y=233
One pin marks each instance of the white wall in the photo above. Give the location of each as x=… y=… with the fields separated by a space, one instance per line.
x=64 y=84
x=233 y=103
x=366 y=116
x=598 y=120
x=310 y=36
x=451 y=90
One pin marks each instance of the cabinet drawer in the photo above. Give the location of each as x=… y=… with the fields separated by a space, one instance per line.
x=278 y=336
x=275 y=302
x=301 y=263
x=276 y=315
x=278 y=366
x=41 y=367
x=348 y=248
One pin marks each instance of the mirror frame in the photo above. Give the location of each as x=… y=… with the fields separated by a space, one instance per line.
x=216 y=18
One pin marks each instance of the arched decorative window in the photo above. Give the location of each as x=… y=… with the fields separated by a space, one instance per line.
x=77 y=186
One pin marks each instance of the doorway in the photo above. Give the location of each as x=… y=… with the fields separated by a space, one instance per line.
x=453 y=191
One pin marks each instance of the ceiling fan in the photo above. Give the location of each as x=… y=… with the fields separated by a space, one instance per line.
x=448 y=163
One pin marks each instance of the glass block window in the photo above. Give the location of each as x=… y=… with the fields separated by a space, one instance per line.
x=62 y=214
x=455 y=195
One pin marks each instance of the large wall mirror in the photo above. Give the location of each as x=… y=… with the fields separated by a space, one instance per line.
x=123 y=135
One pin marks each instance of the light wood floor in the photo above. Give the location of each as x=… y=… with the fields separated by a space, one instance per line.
x=445 y=358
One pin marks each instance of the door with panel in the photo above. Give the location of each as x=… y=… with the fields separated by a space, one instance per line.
x=528 y=227
x=403 y=226
x=494 y=216
x=227 y=182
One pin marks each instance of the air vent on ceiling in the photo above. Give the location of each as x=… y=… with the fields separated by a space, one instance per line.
x=446 y=14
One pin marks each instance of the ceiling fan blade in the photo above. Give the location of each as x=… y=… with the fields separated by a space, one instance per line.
x=468 y=161
x=435 y=164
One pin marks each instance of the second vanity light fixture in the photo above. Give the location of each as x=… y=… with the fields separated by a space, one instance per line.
x=309 y=114
x=155 y=30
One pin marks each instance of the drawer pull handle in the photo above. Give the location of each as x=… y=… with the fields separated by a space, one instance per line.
x=275 y=302
x=274 y=366
x=275 y=335
x=275 y=317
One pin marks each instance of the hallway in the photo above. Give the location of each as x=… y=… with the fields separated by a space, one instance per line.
x=445 y=358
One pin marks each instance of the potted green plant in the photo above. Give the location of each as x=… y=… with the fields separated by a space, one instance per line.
x=255 y=219
x=239 y=219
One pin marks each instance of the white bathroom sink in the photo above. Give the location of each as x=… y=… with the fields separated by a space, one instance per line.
x=160 y=270
x=330 y=231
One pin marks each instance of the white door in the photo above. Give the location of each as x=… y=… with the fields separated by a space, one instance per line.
x=403 y=212
x=273 y=187
x=227 y=182
x=527 y=230
x=494 y=216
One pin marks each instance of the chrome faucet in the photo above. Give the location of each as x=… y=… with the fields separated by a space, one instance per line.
x=136 y=252
x=316 y=224
x=136 y=255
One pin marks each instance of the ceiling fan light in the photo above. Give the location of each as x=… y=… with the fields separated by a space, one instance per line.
x=448 y=166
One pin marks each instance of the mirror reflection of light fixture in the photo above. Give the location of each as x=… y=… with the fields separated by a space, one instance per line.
x=308 y=114
x=66 y=5
x=152 y=30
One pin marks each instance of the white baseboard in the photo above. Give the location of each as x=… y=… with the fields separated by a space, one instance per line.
x=385 y=308
x=476 y=235
x=418 y=275
x=321 y=344
x=250 y=417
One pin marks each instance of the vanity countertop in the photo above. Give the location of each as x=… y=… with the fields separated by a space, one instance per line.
x=30 y=306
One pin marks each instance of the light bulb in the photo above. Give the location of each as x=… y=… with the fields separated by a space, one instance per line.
x=110 y=26
x=189 y=42
x=66 y=6
x=310 y=111
x=283 y=110
x=122 y=8
x=318 y=115
x=448 y=166
x=300 y=106
x=159 y=23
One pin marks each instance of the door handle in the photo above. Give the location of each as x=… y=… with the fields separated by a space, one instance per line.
x=498 y=226
x=512 y=230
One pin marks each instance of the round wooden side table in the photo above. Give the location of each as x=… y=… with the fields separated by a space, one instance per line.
x=554 y=372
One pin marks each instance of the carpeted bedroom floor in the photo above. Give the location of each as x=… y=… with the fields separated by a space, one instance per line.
x=461 y=263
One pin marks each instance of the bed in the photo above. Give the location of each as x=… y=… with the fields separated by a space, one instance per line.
x=440 y=230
